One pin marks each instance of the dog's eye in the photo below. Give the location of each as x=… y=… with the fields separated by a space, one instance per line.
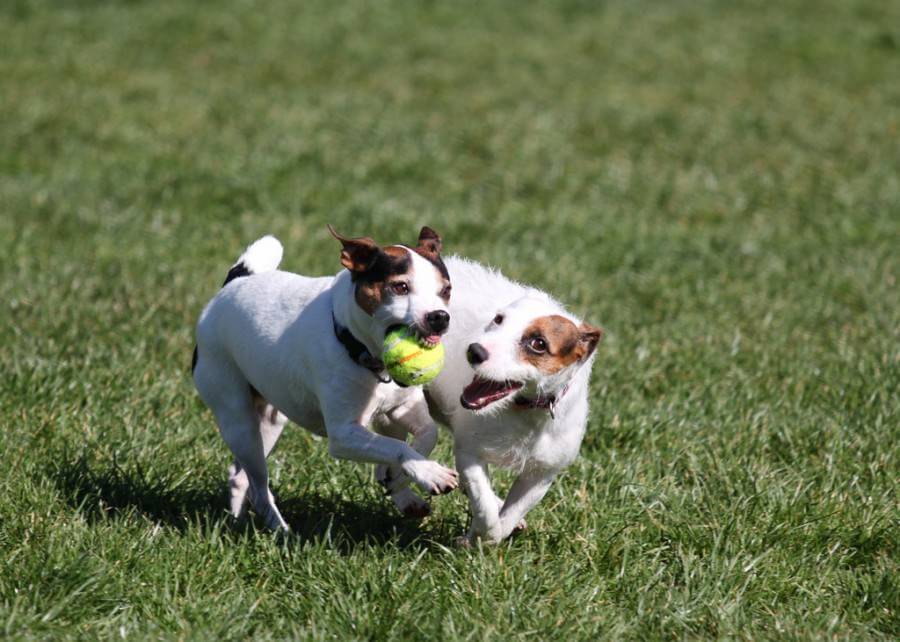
x=498 y=320
x=400 y=288
x=537 y=344
x=445 y=293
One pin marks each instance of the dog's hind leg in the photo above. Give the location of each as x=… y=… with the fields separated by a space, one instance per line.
x=240 y=430
x=228 y=394
x=271 y=424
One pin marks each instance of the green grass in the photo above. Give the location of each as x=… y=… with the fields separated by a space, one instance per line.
x=717 y=184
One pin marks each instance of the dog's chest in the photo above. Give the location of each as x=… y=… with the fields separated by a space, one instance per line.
x=520 y=439
x=510 y=441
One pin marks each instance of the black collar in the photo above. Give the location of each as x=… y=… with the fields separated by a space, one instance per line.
x=541 y=402
x=359 y=353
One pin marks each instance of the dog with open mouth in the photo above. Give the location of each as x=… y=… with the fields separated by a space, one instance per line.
x=273 y=346
x=522 y=363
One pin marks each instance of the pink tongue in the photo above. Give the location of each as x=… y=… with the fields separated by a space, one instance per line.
x=482 y=392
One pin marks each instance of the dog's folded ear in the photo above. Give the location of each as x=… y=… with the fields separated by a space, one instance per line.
x=429 y=242
x=588 y=338
x=358 y=254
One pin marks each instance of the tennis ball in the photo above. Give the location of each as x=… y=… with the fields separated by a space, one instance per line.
x=408 y=361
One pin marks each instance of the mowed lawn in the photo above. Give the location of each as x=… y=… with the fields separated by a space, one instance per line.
x=715 y=183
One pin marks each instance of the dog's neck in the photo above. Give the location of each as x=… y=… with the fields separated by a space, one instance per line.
x=551 y=404
x=349 y=315
x=541 y=401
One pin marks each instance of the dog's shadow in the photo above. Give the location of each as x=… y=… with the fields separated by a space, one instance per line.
x=104 y=492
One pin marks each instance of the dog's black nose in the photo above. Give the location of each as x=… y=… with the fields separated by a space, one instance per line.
x=476 y=354
x=437 y=321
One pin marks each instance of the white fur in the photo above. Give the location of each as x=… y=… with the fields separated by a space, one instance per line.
x=533 y=442
x=273 y=331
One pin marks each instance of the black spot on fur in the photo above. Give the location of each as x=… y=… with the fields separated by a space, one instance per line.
x=383 y=266
x=238 y=270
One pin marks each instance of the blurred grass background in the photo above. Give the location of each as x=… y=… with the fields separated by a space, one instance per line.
x=716 y=183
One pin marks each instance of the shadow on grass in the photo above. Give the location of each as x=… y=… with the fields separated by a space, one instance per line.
x=110 y=492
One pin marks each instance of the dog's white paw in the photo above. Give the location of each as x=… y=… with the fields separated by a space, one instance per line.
x=430 y=476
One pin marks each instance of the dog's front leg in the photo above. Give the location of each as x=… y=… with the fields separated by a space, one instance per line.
x=416 y=419
x=350 y=440
x=410 y=418
x=528 y=489
x=486 y=524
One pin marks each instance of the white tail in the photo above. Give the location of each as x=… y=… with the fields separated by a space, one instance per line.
x=263 y=255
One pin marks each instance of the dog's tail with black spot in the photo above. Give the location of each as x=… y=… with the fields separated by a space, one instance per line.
x=263 y=255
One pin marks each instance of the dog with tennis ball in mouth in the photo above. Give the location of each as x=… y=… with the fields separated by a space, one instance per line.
x=273 y=346
x=522 y=364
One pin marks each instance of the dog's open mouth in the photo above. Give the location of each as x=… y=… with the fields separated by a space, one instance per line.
x=429 y=340
x=426 y=340
x=483 y=392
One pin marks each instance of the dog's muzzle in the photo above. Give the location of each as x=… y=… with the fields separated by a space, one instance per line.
x=437 y=321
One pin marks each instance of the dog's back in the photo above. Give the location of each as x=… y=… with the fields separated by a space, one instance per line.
x=260 y=319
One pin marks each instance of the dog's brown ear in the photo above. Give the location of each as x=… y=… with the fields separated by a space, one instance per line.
x=357 y=254
x=429 y=242
x=588 y=338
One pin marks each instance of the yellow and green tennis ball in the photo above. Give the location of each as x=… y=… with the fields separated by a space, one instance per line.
x=408 y=361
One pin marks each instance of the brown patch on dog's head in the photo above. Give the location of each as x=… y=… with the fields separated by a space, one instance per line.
x=374 y=269
x=368 y=297
x=553 y=342
x=391 y=263
x=397 y=252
